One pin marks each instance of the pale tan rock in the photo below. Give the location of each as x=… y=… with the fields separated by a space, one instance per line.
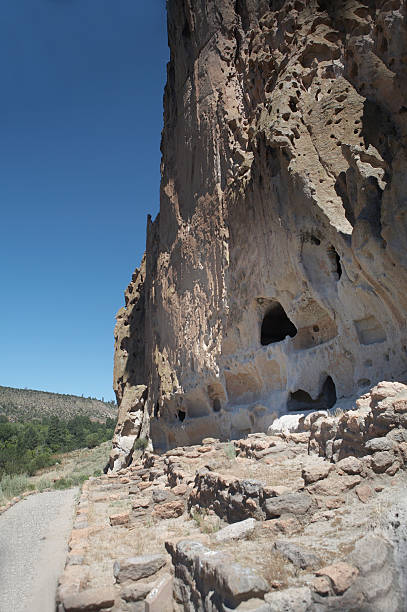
x=89 y=599
x=119 y=519
x=316 y=471
x=322 y=585
x=180 y=489
x=286 y=526
x=350 y=465
x=341 y=574
x=335 y=485
x=136 y=568
x=160 y=597
x=141 y=502
x=144 y=485
x=364 y=492
x=271 y=148
x=168 y=510
x=381 y=461
x=334 y=502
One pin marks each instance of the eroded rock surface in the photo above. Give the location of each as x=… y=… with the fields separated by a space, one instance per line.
x=275 y=276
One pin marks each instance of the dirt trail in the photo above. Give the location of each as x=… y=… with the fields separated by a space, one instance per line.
x=33 y=546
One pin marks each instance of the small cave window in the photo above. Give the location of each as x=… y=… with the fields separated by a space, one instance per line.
x=157 y=410
x=276 y=326
x=335 y=261
x=301 y=400
x=216 y=405
x=181 y=414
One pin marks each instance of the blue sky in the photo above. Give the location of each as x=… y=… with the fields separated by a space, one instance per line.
x=80 y=123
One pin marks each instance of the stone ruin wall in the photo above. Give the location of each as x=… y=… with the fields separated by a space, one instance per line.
x=275 y=274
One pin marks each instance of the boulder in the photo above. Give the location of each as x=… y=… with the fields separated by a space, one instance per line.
x=381 y=461
x=290 y=600
x=364 y=492
x=169 y=510
x=322 y=585
x=159 y=496
x=379 y=444
x=316 y=471
x=140 y=502
x=137 y=591
x=160 y=597
x=298 y=556
x=289 y=503
x=135 y=568
x=89 y=600
x=119 y=519
x=287 y=422
x=180 y=489
x=350 y=465
x=236 y=531
x=342 y=575
x=238 y=583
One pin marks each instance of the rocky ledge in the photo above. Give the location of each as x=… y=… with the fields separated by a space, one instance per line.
x=306 y=520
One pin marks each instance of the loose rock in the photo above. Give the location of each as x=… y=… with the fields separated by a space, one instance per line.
x=136 y=568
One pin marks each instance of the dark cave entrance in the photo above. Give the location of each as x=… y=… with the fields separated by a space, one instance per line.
x=335 y=262
x=216 y=405
x=301 y=400
x=276 y=326
x=181 y=415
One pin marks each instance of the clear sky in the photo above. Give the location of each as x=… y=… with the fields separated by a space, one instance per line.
x=80 y=123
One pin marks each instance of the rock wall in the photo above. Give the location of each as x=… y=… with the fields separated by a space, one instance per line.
x=275 y=274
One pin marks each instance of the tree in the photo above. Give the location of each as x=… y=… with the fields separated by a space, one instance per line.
x=92 y=440
x=56 y=437
x=31 y=438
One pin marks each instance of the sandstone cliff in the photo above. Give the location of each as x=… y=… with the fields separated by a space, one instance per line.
x=275 y=274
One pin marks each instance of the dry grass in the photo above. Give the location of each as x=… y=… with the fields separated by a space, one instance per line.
x=71 y=471
x=78 y=465
x=207 y=523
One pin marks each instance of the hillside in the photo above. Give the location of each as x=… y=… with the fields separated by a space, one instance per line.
x=28 y=404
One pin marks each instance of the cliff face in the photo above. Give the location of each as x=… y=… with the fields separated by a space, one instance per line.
x=275 y=276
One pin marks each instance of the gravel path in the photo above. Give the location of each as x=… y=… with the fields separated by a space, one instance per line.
x=33 y=546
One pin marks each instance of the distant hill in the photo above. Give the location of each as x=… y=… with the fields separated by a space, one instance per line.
x=27 y=404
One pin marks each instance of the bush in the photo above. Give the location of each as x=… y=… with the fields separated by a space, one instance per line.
x=92 y=440
x=230 y=451
x=63 y=483
x=79 y=479
x=141 y=444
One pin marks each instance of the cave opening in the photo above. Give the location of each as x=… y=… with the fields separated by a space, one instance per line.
x=276 y=326
x=216 y=405
x=181 y=415
x=301 y=400
x=335 y=260
x=157 y=410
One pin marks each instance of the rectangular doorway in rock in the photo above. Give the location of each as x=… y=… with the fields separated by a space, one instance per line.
x=276 y=325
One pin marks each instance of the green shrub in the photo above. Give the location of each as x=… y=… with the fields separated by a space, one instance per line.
x=141 y=444
x=230 y=451
x=79 y=479
x=92 y=440
x=63 y=483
